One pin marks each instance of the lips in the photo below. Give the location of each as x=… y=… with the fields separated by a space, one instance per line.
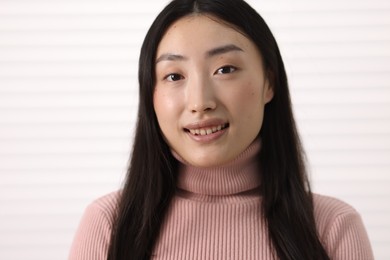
x=208 y=130
x=206 y=127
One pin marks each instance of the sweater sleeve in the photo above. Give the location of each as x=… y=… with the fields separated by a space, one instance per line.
x=92 y=237
x=347 y=238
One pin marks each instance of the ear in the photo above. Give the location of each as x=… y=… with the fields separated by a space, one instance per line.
x=268 y=91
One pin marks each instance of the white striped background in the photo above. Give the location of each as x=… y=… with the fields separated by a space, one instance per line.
x=68 y=99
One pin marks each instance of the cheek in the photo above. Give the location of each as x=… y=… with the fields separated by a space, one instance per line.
x=249 y=108
x=159 y=102
x=162 y=103
x=167 y=106
x=248 y=99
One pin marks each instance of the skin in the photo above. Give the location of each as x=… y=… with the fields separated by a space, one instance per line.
x=208 y=74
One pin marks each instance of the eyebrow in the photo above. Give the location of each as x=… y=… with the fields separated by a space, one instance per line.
x=170 y=57
x=222 y=50
x=213 y=52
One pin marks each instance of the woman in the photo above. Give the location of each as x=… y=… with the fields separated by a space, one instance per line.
x=217 y=169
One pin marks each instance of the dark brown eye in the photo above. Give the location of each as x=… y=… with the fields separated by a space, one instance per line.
x=225 y=70
x=174 y=77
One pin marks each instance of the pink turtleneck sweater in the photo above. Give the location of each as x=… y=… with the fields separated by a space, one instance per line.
x=216 y=215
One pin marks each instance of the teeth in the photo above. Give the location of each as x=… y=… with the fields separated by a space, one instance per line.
x=207 y=131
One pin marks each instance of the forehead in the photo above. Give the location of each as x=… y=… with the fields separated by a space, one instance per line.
x=196 y=31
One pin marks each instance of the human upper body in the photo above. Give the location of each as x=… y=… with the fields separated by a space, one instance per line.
x=216 y=215
x=217 y=169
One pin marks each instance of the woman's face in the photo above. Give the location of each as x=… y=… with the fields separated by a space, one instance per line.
x=210 y=90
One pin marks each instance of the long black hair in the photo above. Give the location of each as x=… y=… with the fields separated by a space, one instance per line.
x=287 y=206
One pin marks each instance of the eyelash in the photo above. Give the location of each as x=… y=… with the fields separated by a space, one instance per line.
x=231 y=69
x=169 y=77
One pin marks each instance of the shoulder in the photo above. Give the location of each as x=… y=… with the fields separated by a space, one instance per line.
x=328 y=211
x=105 y=205
x=328 y=208
x=92 y=237
x=341 y=229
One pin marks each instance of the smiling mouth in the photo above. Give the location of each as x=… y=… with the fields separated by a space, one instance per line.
x=207 y=130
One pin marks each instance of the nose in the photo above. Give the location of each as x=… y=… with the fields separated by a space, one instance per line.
x=200 y=95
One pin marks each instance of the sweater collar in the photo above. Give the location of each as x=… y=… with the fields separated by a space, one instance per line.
x=240 y=175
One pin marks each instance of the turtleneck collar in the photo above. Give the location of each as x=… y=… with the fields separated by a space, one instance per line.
x=240 y=175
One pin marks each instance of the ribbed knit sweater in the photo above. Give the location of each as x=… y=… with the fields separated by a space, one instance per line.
x=216 y=214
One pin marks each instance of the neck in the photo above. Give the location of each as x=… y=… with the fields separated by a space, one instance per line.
x=238 y=176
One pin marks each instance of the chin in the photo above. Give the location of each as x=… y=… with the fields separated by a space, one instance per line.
x=208 y=162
